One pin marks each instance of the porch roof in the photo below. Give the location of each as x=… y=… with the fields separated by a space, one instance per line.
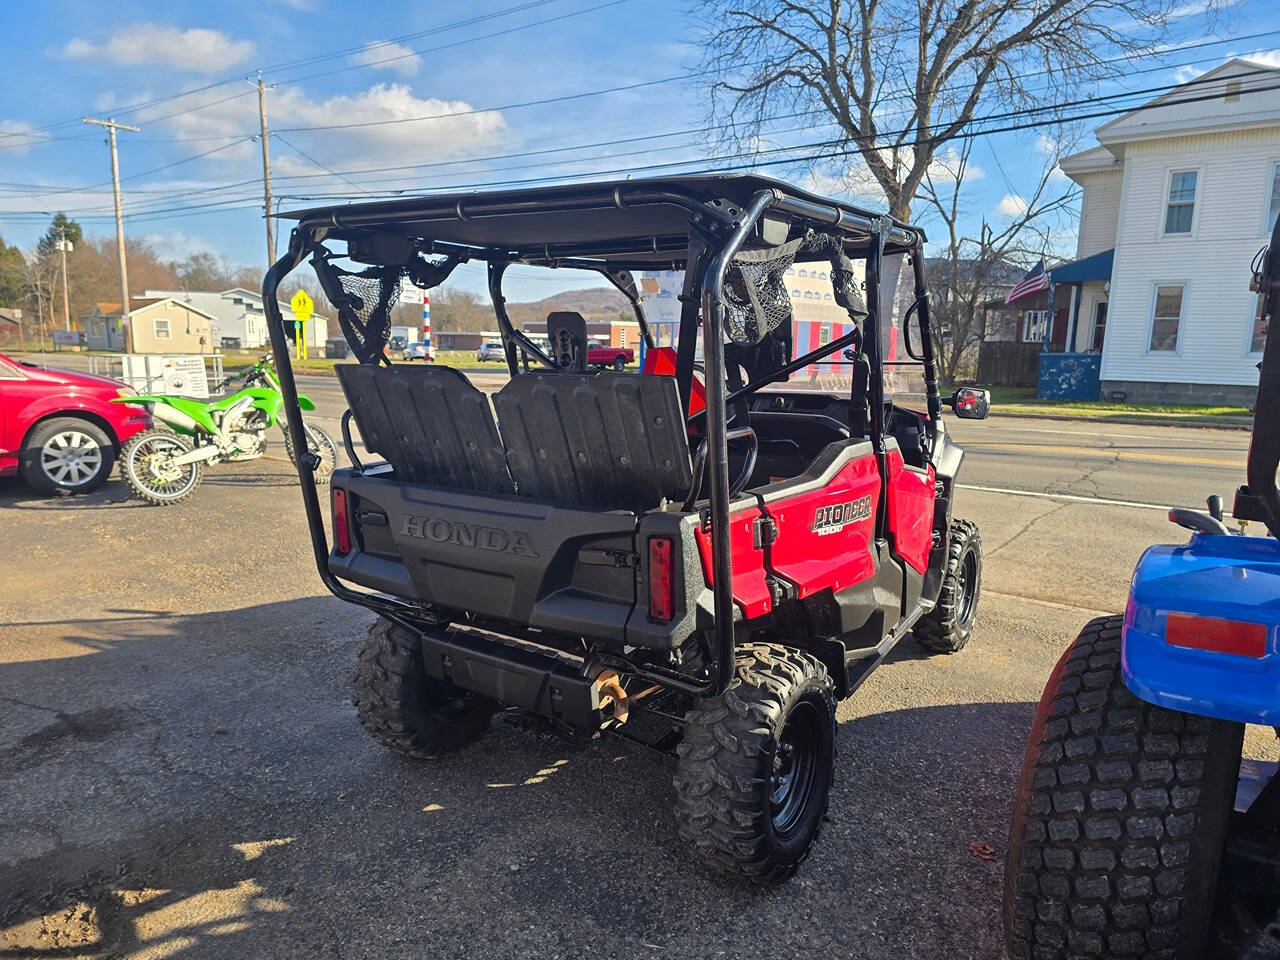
x=1097 y=267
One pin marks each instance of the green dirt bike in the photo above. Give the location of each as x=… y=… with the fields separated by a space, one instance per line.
x=164 y=465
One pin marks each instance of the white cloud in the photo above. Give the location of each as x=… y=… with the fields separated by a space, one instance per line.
x=456 y=131
x=176 y=245
x=1012 y=205
x=385 y=55
x=1266 y=58
x=1185 y=74
x=14 y=139
x=198 y=50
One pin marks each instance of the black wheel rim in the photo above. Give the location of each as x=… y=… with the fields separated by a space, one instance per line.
x=794 y=769
x=966 y=587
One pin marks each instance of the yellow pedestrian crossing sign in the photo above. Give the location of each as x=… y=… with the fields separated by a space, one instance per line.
x=302 y=305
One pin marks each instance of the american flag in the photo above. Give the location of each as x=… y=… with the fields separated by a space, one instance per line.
x=1036 y=279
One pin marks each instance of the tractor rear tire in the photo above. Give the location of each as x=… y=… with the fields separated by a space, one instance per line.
x=406 y=710
x=1120 y=818
x=948 y=626
x=756 y=763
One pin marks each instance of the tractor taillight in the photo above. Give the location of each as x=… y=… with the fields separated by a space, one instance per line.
x=662 y=598
x=341 y=523
x=1218 y=636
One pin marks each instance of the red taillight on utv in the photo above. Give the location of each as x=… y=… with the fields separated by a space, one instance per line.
x=341 y=523
x=662 y=596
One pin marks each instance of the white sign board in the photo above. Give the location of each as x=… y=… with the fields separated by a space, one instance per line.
x=185 y=376
x=66 y=338
x=151 y=373
x=410 y=294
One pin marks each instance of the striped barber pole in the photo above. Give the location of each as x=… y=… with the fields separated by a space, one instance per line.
x=426 y=326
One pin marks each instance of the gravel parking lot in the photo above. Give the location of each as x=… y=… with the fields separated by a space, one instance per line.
x=182 y=774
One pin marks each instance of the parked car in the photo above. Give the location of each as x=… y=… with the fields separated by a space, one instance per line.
x=59 y=430
x=490 y=350
x=398 y=343
x=602 y=355
x=415 y=351
x=335 y=348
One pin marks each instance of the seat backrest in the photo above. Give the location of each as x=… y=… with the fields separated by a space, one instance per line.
x=567 y=333
x=609 y=442
x=429 y=423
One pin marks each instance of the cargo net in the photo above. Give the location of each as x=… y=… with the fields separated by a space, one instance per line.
x=755 y=288
x=364 y=299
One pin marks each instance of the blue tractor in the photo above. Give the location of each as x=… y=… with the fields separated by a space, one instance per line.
x=1137 y=831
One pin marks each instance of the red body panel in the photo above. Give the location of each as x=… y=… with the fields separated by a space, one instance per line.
x=28 y=395
x=750 y=591
x=662 y=362
x=816 y=548
x=911 y=494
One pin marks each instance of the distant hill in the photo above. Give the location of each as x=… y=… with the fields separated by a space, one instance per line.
x=592 y=303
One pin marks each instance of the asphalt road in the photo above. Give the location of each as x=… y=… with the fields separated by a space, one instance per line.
x=182 y=773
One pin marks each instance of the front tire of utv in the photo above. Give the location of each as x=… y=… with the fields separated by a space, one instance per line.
x=1120 y=817
x=405 y=709
x=948 y=626
x=755 y=766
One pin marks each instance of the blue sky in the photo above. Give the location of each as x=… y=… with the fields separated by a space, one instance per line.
x=66 y=59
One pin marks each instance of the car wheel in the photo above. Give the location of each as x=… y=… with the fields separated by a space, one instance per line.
x=67 y=455
x=619 y=364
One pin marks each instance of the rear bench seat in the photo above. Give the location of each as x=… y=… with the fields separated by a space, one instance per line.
x=607 y=442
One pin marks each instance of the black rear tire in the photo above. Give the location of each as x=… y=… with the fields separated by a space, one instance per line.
x=405 y=709
x=619 y=364
x=1120 y=818
x=948 y=626
x=756 y=763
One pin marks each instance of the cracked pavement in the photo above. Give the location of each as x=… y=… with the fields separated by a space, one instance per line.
x=182 y=773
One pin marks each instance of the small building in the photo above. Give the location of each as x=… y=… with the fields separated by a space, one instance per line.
x=156 y=325
x=1178 y=198
x=239 y=317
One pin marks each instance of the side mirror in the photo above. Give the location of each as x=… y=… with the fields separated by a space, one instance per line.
x=970 y=403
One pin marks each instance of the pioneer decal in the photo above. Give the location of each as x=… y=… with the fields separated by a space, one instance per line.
x=469 y=535
x=836 y=516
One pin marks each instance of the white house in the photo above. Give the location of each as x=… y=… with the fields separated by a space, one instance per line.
x=239 y=318
x=1177 y=200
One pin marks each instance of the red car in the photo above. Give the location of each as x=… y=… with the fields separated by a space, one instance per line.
x=59 y=430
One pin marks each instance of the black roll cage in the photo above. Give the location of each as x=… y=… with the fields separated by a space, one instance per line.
x=723 y=227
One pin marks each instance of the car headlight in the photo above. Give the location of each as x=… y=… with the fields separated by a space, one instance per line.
x=126 y=391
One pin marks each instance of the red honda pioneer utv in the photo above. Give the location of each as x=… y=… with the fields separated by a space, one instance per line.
x=679 y=558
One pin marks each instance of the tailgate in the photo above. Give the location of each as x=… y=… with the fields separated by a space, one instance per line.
x=562 y=569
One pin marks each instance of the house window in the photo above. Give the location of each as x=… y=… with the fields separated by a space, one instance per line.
x=1033 y=324
x=161 y=328
x=1233 y=92
x=824 y=334
x=1273 y=209
x=822 y=275
x=826 y=296
x=1099 y=326
x=1182 y=202
x=1257 y=329
x=622 y=338
x=1166 y=317
x=804 y=273
x=795 y=294
x=808 y=294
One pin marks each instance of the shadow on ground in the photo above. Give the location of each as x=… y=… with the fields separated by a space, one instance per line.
x=182 y=786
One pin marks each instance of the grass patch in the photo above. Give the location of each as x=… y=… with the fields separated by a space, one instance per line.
x=1023 y=399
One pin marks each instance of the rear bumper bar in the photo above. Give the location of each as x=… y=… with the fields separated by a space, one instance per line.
x=544 y=684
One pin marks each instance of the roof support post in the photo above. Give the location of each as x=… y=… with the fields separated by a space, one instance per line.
x=717 y=439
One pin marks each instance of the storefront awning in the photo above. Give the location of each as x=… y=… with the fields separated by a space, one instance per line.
x=1097 y=267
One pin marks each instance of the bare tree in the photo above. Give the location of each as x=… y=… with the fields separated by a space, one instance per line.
x=970 y=270
x=897 y=80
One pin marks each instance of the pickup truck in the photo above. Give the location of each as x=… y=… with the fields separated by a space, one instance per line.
x=600 y=355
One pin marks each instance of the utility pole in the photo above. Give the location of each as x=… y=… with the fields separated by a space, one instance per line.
x=266 y=172
x=65 y=246
x=112 y=127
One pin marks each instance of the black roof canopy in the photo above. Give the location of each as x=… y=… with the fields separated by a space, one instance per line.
x=620 y=220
